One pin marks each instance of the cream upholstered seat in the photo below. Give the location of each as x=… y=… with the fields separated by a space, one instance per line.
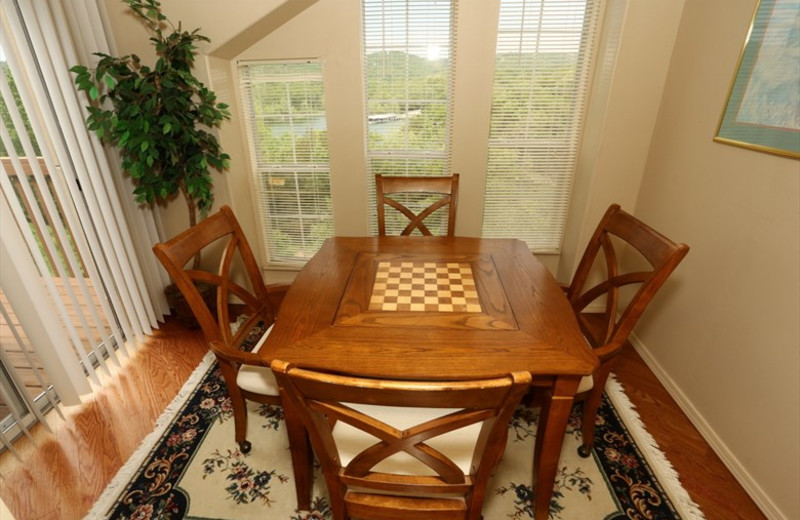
x=586 y=384
x=255 y=378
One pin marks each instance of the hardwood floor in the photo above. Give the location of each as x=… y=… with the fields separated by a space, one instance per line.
x=709 y=482
x=63 y=475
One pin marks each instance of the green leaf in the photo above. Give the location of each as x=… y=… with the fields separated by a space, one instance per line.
x=93 y=93
x=136 y=170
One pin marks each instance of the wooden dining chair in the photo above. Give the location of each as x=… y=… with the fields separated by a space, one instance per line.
x=416 y=198
x=392 y=449
x=219 y=236
x=618 y=236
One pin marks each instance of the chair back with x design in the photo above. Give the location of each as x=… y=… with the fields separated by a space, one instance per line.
x=416 y=198
x=388 y=448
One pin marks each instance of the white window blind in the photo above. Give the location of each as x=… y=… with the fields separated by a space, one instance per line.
x=408 y=61
x=285 y=116
x=542 y=74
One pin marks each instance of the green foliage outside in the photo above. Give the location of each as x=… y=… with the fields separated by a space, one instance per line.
x=5 y=115
x=414 y=87
x=546 y=95
x=411 y=86
x=298 y=225
x=160 y=116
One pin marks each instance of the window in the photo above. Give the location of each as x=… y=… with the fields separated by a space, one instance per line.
x=408 y=69
x=285 y=116
x=542 y=73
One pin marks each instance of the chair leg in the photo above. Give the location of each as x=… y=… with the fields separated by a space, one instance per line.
x=302 y=456
x=238 y=404
x=590 y=406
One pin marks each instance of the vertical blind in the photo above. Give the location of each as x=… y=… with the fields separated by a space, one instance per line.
x=284 y=111
x=541 y=83
x=408 y=63
x=63 y=194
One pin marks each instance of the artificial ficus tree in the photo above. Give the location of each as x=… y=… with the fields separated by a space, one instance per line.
x=159 y=117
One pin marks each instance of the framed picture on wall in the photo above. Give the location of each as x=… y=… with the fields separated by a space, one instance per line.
x=763 y=108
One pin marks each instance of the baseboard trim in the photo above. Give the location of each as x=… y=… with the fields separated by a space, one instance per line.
x=770 y=510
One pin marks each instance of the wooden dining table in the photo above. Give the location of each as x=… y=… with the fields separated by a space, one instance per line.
x=434 y=308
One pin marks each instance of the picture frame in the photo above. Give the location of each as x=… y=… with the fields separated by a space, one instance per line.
x=762 y=111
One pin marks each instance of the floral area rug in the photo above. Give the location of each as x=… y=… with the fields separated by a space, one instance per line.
x=190 y=467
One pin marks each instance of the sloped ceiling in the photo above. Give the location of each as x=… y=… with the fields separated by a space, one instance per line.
x=281 y=12
x=232 y=27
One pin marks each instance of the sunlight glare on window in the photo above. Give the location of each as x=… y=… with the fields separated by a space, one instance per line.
x=434 y=52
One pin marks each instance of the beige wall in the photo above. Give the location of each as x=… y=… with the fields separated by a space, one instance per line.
x=727 y=332
x=723 y=336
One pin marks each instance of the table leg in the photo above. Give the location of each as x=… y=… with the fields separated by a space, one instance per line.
x=553 y=418
x=302 y=456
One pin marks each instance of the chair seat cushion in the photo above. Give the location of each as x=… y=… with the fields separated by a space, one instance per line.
x=586 y=384
x=457 y=445
x=257 y=379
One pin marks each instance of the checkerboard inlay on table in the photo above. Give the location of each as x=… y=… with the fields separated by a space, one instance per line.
x=424 y=287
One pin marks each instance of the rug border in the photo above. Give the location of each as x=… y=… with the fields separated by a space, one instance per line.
x=111 y=493
x=662 y=468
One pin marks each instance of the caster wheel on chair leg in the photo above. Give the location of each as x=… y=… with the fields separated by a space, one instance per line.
x=245 y=447
x=584 y=451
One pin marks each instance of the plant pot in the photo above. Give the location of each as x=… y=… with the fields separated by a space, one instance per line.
x=180 y=307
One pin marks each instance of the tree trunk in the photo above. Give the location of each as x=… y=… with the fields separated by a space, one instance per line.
x=190 y=203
